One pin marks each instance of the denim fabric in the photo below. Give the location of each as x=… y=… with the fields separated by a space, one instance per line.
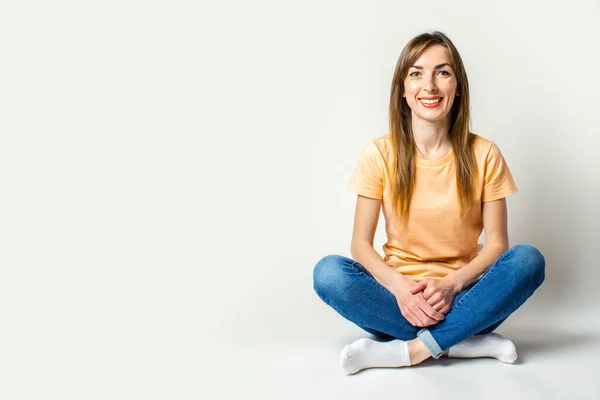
x=351 y=290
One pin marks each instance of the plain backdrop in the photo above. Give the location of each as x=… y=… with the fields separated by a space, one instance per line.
x=171 y=172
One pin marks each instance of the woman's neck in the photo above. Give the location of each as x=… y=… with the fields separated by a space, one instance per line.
x=431 y=138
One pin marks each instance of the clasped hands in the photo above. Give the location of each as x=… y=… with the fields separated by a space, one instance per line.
x=427 y=301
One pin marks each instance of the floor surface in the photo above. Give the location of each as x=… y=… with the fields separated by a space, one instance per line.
x=554 y=362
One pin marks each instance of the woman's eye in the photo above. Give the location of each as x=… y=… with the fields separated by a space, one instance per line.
x=445 y=73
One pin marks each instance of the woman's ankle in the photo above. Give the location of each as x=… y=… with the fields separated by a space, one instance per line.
x=417 y=351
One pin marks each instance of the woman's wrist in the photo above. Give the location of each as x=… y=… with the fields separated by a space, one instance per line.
x=401 y=285
x=455 y=282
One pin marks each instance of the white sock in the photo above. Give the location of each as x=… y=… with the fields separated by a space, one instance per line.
x=488 y=345
x=366 y=353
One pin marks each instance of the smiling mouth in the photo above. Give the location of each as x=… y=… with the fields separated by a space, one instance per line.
x=432 y=101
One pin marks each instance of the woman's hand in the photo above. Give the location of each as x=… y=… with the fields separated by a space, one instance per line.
x=416 y=310
x=439 y=293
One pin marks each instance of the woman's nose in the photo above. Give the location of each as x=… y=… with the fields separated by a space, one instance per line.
x=430 y=84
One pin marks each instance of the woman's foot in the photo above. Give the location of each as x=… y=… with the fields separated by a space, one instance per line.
x=488 y=345
x=367 y=353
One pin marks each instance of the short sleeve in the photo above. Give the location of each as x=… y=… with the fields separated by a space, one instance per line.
x=498 y=181
x=367 y=179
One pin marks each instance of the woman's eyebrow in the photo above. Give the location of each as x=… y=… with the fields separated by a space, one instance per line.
x=436 y=67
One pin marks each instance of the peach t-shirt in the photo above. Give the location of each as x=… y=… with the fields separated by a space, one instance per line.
x=435 y=241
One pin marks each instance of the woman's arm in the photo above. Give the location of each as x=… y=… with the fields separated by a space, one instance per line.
x=365 y=224
x=496 y=242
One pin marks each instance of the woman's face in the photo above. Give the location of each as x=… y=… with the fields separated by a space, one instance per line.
x=431 y=77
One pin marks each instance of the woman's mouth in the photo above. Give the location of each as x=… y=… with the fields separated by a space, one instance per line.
x=431 y=103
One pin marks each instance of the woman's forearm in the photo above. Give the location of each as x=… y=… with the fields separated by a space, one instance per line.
x=389 y=278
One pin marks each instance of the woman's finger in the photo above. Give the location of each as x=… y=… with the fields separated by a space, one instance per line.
x=436 y=298
x=410 y=318
x=430 y=312
x=439 y=306
x=418 y=287
x=424 y=318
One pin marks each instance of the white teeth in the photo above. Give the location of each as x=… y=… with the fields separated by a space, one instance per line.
x=430 y=101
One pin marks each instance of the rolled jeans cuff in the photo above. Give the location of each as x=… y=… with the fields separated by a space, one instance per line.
x=429 y=342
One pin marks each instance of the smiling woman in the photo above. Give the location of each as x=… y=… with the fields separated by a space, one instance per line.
x=439 y=185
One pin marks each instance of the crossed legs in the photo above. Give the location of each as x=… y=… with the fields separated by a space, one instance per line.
x=349 y=288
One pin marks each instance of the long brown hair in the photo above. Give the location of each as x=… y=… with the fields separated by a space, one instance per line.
x=402 y=174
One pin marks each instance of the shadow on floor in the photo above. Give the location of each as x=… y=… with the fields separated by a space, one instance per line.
x=530 y=342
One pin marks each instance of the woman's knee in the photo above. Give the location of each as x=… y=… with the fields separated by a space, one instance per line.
x=531 y=261
x=328 y=273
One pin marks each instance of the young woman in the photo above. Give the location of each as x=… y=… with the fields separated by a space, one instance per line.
x=434 y=293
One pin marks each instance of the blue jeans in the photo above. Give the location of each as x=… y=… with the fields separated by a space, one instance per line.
x=351 y=290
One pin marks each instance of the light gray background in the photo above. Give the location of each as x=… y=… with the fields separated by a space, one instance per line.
x=171 y=171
